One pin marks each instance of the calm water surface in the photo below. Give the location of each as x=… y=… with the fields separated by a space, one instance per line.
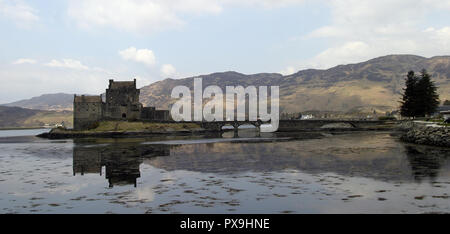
x=24 y=132
x=369 y=172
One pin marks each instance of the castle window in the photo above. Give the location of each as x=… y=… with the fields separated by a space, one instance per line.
x=124 y=115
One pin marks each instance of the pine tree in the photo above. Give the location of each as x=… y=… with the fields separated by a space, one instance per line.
x=420 y=97
x=427 y=98
x=408 y=104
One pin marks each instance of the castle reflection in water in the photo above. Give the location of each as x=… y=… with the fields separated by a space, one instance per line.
x=121 y=161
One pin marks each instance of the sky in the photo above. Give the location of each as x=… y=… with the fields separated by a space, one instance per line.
x=75 y=46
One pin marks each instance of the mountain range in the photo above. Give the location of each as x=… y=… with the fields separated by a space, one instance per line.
x=17 y=117
x=375 y=84
x=51 y=102
x=363 y=87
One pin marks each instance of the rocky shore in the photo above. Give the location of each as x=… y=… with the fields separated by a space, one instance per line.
x=427 y=135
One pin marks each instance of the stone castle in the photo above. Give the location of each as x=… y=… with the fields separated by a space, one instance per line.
x=121 y=103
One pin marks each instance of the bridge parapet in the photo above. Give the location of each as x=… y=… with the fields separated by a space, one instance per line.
x=305 y=125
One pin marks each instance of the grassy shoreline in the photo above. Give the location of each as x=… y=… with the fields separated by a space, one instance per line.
x=124 y=129
x=124 y=126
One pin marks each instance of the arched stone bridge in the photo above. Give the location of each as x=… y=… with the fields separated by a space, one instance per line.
x=307 y=125
x=218 y=125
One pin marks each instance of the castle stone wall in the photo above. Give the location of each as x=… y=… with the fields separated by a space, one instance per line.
x=88 y=110
x=121 y=103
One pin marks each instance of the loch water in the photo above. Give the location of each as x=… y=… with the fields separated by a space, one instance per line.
x=353 y=172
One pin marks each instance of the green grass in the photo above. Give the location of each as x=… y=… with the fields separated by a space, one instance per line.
x=49 y=118
x=123 y=126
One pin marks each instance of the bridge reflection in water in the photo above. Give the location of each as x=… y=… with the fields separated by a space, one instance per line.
x=372 y=156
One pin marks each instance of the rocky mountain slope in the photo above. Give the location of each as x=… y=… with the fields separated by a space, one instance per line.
x=11 y=117
x=363 y=87
x=56 y=102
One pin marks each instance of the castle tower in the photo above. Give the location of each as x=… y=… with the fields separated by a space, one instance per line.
x=122 y=101
x=87 y=110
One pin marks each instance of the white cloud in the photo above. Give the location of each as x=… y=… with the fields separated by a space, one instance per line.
x=24 y=60
x=19 y=83
x=137 y=15
x=67 y=63
x=153 y=15
x=349 y=52
x=18 y=11
x=441 y=36
x=168 y=70
x=144 y=56
x=263 y=3
x=364 y=29
x=288 y=71
x=143 y=81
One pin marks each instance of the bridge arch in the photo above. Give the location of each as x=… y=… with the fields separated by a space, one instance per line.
x=225 y=125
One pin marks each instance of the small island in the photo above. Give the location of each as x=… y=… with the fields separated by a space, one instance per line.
x=126 y=129
x=119 y=114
